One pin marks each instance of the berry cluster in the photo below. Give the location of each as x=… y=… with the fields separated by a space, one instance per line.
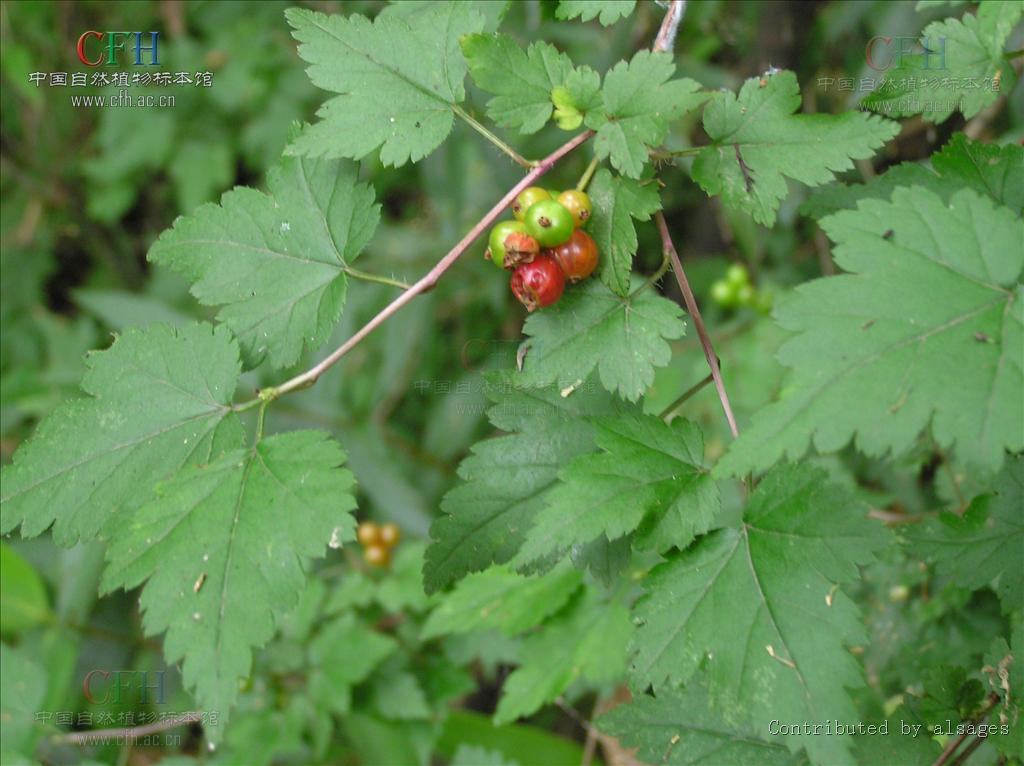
x=736 y=290
x=545 y=245
x=377 y=542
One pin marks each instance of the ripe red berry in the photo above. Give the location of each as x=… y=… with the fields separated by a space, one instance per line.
x=527 y=197
x=578 y=203
x=539 y=283
x=549 y=222
x=577 y=257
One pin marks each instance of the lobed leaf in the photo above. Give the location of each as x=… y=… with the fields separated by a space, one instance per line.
x=606 y=11
x=623 y=338
x=222 y=552
x=927 y=329
x=739 y=602
x=617 y=202
x=648 y=476
x=639 y=102
x=276 y=262
x=758 y=142
x=398 y=76
x=160 y=400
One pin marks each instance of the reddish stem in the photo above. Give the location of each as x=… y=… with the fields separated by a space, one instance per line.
x=698 y=321
x=309 y=377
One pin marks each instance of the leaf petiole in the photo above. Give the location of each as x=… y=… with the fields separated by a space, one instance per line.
x=483 y=131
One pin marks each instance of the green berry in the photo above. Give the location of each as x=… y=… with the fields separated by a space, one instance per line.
x=745 y=295
x=497 y=239
x=549 y=222
x=723 y=293
x=526 y=199
x=737 y=275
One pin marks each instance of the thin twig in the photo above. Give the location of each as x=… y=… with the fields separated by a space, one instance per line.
x=666 y=39
x=130 y=732
x=430 y=279
x=990 y=702
x=590 y=745
x=966 y=752
x=698 y=321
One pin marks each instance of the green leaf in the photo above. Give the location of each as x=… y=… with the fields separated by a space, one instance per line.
x=399 y=76
x=468 y=755
x=22 y=688
x=988 y=169
x=519 y=743
x=343 y=654
x=758 y=142
x=505 y=480
x=639 y=103
x=984 y=544
x=396 y=694
x=680 y=728
x=23 y=600
x=624 y=338
x=927 y=328
x=521 y=81
x=607 y=11
x=276 y=262
x=617 y=202
x=220 y=567
x=957 y=71
x=741 y=603
x=160 y=400
x=500 y=599
x=605 y=559
x=648 y=473
x=588 y=641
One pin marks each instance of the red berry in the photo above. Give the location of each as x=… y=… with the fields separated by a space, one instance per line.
x=520 y=248
x=539 y=283
x=577 y=257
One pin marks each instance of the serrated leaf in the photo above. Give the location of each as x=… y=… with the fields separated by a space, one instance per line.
x=520 y=81
x=399 y=77
x=988 y=169
x=927 y=329
x=587 y=641
x=396 y=694
x=500 y=599
x=276 y=262
x=590 y=327
x=220 y=567
x=639 y=102
x=605 y=559
x=679 y=728
x=617 y=202
x=505 y=480
x=986 y=543
x=344 y=653
x=160 y=400
x=739 y=603
x=758 y=142
x=648 y=473
x=606 y=11
x=962 y=67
